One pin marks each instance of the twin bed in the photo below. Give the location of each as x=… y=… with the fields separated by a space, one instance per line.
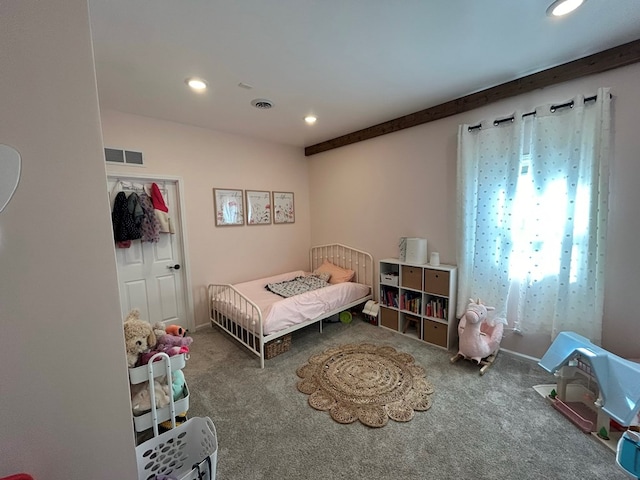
x=254 y=315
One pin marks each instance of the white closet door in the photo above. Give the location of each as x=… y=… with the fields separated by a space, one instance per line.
x=151 y=276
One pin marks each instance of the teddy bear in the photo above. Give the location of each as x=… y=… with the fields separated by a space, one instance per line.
x=159 y=329
x=138 y=336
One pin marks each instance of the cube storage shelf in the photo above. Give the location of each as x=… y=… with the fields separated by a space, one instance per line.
x=419 y=300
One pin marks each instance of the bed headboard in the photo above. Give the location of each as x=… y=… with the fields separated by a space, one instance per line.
x=346 y=257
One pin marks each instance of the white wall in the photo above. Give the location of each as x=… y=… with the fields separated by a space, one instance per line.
x=205 y=160
x=64 y=406
x=404 y=184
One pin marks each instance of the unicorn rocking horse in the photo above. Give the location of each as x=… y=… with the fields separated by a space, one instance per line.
x=479 y=338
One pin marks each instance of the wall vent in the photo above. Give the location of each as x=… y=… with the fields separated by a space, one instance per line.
x=262 y=103
x=127 y=157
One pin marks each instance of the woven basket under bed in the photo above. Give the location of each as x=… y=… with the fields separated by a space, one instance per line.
x=277 y=346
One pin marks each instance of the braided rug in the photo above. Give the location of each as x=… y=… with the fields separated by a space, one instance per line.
x=365 y=382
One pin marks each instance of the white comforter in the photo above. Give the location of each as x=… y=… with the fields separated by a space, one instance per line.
x=279 y=313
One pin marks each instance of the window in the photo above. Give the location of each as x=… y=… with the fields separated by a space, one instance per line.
x=532 y=202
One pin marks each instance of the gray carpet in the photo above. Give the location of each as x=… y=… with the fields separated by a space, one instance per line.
x=490 y=427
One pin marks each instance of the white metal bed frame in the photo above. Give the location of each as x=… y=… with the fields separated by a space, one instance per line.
x=250 y=334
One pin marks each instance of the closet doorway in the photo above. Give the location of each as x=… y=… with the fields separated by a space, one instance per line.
x=153 y=277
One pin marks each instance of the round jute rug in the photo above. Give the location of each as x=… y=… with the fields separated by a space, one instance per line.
x=365 y=382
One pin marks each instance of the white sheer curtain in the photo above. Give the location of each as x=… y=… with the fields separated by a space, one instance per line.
x=532 y=216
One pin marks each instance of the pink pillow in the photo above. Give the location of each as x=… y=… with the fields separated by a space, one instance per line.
x=338 y=274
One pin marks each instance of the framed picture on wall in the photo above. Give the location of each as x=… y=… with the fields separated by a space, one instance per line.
x=258 y=207
x=283 y=207
x=229 y=207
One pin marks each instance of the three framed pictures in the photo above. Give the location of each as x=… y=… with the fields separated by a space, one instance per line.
x=262 y=207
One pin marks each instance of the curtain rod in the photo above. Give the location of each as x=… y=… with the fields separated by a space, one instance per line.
x=553 y=108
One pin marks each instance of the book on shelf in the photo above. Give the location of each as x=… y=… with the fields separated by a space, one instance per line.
x=437 y=309
x=392 y=299
x=410 y=302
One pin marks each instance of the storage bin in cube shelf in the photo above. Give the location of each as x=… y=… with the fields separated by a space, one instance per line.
x=187 y=452
x=389 y=279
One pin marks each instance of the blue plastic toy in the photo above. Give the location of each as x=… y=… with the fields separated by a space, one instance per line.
x=628 y=453
x=618 y=379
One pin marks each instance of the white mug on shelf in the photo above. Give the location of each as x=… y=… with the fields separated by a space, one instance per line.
x=435 y=259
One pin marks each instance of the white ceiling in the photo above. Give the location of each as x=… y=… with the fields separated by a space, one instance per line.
x=353 y=63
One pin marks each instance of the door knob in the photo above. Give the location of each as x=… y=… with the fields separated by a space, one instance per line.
x=173 y=267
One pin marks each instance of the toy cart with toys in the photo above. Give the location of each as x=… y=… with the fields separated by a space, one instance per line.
x=159 y=365
x=184 y=451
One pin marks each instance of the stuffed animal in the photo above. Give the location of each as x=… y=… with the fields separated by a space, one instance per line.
x=144 y=357
x=138 y=336
x=169 y=340
x=158 y=329
x=172 y=345
x=178 y=384
x=172 y=351
x=141 y=398
x=169 y=344
x=176 y=330
x=479 y=337
x=178 y=393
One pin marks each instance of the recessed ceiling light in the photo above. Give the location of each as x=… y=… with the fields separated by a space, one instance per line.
x=310 y=119
x=562 y=7
x=196 y=84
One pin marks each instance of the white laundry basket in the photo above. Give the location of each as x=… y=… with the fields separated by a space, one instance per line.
x=187 y=452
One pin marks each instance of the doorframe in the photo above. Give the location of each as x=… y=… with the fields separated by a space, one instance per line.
x=147 y=178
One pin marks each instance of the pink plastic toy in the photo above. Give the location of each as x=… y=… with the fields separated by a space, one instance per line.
x=479 y=339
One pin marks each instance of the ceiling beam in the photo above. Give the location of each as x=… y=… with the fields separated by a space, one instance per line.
x=616 y=57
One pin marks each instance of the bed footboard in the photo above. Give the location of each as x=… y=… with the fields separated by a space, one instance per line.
x=238 y=316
